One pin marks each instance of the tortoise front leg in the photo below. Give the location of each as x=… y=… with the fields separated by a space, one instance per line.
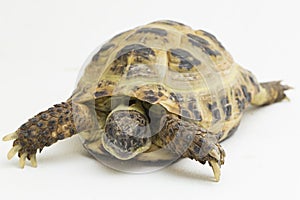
x=46 y=128
x=192 y=141
x=205 y=147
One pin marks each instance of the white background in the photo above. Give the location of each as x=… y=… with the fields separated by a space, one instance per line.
x=43 y=45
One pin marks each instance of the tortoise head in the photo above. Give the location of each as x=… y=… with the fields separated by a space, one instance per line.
x=127 y=133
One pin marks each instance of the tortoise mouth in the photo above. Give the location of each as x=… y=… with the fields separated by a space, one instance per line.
x=125 y=148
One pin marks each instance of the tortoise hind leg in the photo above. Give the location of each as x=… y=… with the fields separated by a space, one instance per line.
x=270 y=92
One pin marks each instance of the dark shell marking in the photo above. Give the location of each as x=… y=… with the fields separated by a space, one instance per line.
x=246 y=93
x=192 y=107
x=241 y=104
x=254 y=83
x=197 y=41
x=211 y=52
x=215 y=112
x=202 y=44
x=186 y=61
x=176 y=97
x=213 y=38
x=150 y=96
x=101 y=93
x=227 y=108
x=156 y=31
x=137 y=50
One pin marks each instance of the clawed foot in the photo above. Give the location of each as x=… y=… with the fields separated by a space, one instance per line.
x=205 y=148
x=216 y=159
x=17 y=148
x=42 y=130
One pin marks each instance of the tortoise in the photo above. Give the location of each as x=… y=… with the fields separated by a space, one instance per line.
x=158 y=86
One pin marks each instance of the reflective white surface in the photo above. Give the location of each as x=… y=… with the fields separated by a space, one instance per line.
x=43 y=45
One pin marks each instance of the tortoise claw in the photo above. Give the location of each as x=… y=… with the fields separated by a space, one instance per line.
x=11 y=136
x=13 y=151
x=216 y=169
x=16 y=149
x=217 y=159
x=22 y=160
x=33 y=160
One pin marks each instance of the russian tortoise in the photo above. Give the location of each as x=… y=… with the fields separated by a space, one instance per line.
x=158 y=86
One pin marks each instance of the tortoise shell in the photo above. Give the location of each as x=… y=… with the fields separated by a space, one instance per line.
x=186 y=71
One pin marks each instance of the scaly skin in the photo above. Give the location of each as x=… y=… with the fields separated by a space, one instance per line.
x=46 y=128
x=187 y=139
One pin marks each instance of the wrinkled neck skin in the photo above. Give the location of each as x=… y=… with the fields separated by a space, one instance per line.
x=127 y=132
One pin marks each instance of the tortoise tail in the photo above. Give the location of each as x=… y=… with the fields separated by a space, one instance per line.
x=270 y=92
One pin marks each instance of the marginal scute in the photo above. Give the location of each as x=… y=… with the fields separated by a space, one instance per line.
x=232 y=131
x=247 y=95
x=228 y=111
x=241 y=104
x=150 y=96
x=100 y=93
x=197 y=115
x=185 y=113
x=216 y=115
x=196 y=149
x=224 y=101
x=212 y=106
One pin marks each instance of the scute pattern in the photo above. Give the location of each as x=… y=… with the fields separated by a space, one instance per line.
x=170 y=64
